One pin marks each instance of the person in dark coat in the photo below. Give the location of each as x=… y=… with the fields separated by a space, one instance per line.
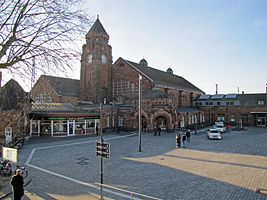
x=188 y=135
x=159 y=130
x=184 y=139
x=178 y=140
x=17 y=185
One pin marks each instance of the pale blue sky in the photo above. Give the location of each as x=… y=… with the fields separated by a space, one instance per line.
x=207 y=42
x=204 y=41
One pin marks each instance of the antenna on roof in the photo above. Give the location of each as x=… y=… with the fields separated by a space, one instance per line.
x=216 y=88
x=97 y=16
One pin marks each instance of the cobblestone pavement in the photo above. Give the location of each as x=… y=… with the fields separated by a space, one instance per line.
x=231 y=168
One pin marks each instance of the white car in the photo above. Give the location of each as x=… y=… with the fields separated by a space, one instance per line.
x=220 y=127
x=214 y=134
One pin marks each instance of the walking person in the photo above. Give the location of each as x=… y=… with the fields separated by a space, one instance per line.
x=184 y=139
x=17 y=185
x=159 y=130
x=188 y=135
x=178 y=140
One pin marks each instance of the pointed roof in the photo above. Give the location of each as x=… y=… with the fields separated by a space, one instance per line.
x=97 y=28
x=63 y=86
x=11 y=94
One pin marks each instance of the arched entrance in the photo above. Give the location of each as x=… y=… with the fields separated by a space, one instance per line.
x=161 y=122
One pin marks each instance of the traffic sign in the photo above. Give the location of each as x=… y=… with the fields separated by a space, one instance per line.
x=102 y=149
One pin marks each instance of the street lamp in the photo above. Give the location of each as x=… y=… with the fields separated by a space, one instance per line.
x=140 y=112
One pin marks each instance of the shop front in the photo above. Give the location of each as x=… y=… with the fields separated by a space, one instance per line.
x=64 y=126
x=260 y=119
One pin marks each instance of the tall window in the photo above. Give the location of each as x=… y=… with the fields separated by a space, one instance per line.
x=127 y=88
x=119 y=87
x=132 y=89
x=120 y=120
x=115 y=89
x=123 y=87
x=107 y=121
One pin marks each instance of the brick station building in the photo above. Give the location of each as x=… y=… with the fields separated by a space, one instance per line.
x=73 y=106
x=66 y=106
x=234 y=109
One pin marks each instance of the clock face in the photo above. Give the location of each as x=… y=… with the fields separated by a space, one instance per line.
x=104 y=59
x=89 y=58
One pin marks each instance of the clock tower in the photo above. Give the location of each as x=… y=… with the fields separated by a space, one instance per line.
x=96 y=65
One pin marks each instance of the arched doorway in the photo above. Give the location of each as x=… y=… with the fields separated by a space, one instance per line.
x=161 y=122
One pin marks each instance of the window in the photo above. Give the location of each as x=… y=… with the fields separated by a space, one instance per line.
x=195 y=119
x=107 y=121
x=113 y=122
x=218 y=103
x=132 y=89
x=123 y=87
x=42 y=98
x=220 y=117
x=114 y=89
x=227 y=103
x=119 y=87
x=120 y=121
x=211 y=103
x=244 y=118
x=207 y=103
x=260 y=102
x=200 y=103
x=49 y=98
x=127 y=86
x=189 y=120
x=231 y=103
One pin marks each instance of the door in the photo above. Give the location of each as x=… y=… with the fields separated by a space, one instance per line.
x=70 y=127
x=261 y=120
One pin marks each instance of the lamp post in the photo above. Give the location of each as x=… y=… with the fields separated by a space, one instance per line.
x=140 y=112
x=101 y=158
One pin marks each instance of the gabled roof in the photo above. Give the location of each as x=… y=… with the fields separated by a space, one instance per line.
x=10 y=96
x=63 y=86
x=97 y=28
x=161 y=77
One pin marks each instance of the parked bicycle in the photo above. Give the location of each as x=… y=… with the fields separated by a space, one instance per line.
x=5 y=169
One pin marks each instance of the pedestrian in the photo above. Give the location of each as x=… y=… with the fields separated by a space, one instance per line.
x=195 y=130
x=118 y=129
x=178 y=140
x=188 y=135
x=159 y=130
x=184 y=139
x=17 y=184
x=228 y=128
x=155 y=131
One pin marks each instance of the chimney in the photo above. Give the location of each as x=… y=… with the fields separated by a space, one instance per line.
x=216 y=88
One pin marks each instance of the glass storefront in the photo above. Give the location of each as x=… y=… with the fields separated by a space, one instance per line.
x=64 y=126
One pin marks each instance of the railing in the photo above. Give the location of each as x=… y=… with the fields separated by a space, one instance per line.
x=127 y=191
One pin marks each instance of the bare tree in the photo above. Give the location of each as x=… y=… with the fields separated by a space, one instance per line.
x=44 y=30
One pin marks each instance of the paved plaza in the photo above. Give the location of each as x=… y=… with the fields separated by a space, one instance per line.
x=67 y=168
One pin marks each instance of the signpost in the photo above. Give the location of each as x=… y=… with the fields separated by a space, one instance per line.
x=102 y=149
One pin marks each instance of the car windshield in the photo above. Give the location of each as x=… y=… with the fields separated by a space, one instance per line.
x=214 y=131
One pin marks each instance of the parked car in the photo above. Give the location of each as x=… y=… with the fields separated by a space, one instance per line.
x=220 y=126
x=214 y=134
